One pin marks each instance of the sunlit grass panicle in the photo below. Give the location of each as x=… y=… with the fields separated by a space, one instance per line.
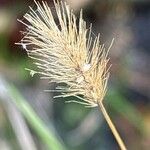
x=64 y=52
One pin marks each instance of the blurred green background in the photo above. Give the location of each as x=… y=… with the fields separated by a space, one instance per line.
x=30 y=119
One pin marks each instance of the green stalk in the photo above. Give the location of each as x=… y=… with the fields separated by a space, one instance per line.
x=46 y=136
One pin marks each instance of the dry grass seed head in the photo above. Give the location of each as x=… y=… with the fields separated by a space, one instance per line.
x=66 y=53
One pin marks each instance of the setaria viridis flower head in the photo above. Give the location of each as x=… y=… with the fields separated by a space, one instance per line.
x=62 y=48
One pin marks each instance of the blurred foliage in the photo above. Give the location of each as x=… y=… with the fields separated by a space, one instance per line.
x=45 y=134
x=122 y=106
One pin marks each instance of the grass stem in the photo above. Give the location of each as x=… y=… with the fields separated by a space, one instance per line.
x=112 y=127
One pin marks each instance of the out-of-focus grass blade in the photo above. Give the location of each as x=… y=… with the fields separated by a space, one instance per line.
x=47 y=136
x=125 y=108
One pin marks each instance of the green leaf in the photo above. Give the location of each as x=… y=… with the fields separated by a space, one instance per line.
x=44 y=133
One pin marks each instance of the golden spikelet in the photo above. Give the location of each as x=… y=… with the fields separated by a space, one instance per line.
x=66 y=53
